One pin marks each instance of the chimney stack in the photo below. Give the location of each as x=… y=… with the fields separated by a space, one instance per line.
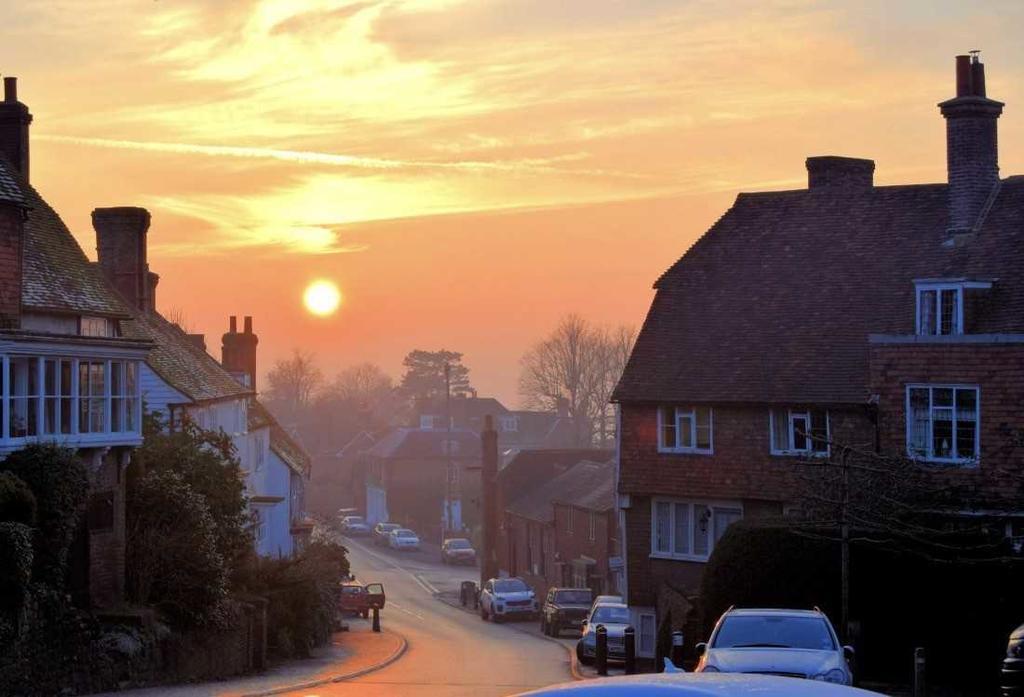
x=972 y=152
x=14 y=123
x=835 y=172
x=121 y=249
x=238 y=352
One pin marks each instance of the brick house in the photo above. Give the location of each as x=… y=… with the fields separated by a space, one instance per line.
x=564 y=532
x=69 y=371
x=841 y=313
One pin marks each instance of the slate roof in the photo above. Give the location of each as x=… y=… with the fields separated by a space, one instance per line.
x=533 y=469
x=589 y=485
x=281 y=442
x=776 y=301
x=414 y=443
x=179 y=362
x=57 y=276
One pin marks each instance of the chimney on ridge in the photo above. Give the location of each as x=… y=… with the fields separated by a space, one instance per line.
x=972 y=152
x=835 y=172
x=14 y=122
x=238 y=352
x=121 y=250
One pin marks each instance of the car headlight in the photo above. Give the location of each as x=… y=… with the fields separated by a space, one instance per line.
x=709 y=669
x=836 y=675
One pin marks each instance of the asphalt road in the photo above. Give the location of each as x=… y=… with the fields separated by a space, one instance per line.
x=451 y=652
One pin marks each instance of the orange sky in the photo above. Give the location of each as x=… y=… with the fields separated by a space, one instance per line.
x=468 y=171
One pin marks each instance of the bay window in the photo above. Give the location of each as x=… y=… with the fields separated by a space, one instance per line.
x=685 y=430
x=799 y=431
x=689 y=529
x=943 y=423
x=69 y=399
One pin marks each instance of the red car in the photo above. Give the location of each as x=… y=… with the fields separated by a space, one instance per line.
x=353 y=598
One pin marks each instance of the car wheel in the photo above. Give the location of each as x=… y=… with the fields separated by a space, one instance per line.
x=580 y=657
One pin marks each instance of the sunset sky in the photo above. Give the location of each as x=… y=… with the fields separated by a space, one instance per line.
x=468 y=171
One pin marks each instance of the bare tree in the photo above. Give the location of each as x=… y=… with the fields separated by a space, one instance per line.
x=577 y=365
x=176 y=315
x=293 y=382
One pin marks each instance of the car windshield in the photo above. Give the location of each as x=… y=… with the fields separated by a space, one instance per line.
x=387 y=527
x=576 y=597
x=774 y=631
x=459 y=544
x=405 y=533
x=610 y=614
x=354 y=520
x=510 y=585
x=353 y=589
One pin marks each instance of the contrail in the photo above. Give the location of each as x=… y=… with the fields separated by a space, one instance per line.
x=336 y=160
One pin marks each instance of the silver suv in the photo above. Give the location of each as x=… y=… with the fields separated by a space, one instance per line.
x=794 y=643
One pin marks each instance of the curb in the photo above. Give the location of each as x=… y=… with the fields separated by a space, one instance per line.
x=338 y=678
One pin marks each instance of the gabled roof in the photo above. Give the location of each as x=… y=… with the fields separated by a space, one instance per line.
x=179 y=362
x=281 y=443
x=360 y=442
x=533 y=469
x=776 y=301
x=57 y=276
x=414 y=443
x=588 y=485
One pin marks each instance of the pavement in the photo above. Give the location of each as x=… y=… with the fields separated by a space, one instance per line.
x=349 y=655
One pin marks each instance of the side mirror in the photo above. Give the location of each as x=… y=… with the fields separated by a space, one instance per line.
x=848 y=652
x=701 y=648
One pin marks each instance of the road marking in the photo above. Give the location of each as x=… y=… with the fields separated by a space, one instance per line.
x=427 y=585
x=424 y=584
x=402 y=608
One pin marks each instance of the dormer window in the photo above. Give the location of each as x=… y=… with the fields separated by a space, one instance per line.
x=940 y=305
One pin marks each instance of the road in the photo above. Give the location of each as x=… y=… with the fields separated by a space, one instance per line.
x=451 y=652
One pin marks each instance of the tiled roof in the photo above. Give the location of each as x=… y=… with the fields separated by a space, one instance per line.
x=57 y=275
x=533 y=469
x=776 y=301
x=286 y=447
x=408 y=443
x=182 y=364
x=588 y=484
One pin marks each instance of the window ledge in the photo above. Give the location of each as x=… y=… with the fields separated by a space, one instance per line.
x=685 y=451
x=799 y=453
x=947 y=463
x=678 y=557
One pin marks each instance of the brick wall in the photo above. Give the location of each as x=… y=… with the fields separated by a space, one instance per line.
x=998 y=371
x=578 y=543
x=11 y=236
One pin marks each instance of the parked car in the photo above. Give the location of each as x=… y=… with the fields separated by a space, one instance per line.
x=1012 y=677
x=615 y=618
x=354 y=599
x=457 y=550
x=793 y=643
x=699 y=685
x=564 y=608
x=381 y=533
x=506 y=598
x=403 y=539
x=605 y=599
x=354 y=525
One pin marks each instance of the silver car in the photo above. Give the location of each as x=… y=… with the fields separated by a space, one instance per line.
x=615 y=618
x=792 y=643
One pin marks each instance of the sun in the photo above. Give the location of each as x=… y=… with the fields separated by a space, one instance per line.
x=321 y=298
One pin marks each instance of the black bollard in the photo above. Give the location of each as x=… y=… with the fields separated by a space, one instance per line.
x=601 y=650
x=629 y=644
x=677 y=649
x=376 y=619
x=920 y=679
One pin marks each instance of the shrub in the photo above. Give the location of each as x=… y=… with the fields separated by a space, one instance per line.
x=17 y=502
x=60 y=484
x=15 y=567
x=173 y=561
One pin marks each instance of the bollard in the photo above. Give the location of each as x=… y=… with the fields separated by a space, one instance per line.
x=601 y=650
x=629 y=644
x=919 y=672
x=376 y=619
x=677 y=649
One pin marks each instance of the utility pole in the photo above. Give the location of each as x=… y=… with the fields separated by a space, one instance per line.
x=447 y=522
x=488 y=490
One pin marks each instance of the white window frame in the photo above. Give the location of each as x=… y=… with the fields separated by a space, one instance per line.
x=691 y=527
x=938 y=285
x=678 y=414
x=928 y=457
x=792 y=415
x=592 y=525
x=569 y=521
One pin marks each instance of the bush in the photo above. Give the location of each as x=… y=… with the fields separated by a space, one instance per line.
x=17 y=502
x=961 y=613
x=302 y=594
x=60 y=484
x=15 y=569
x=173 y=560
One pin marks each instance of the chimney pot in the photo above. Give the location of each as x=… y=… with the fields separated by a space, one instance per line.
x=963 y=76
x=233 y=324
x=248 y=325
x=10 y=89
